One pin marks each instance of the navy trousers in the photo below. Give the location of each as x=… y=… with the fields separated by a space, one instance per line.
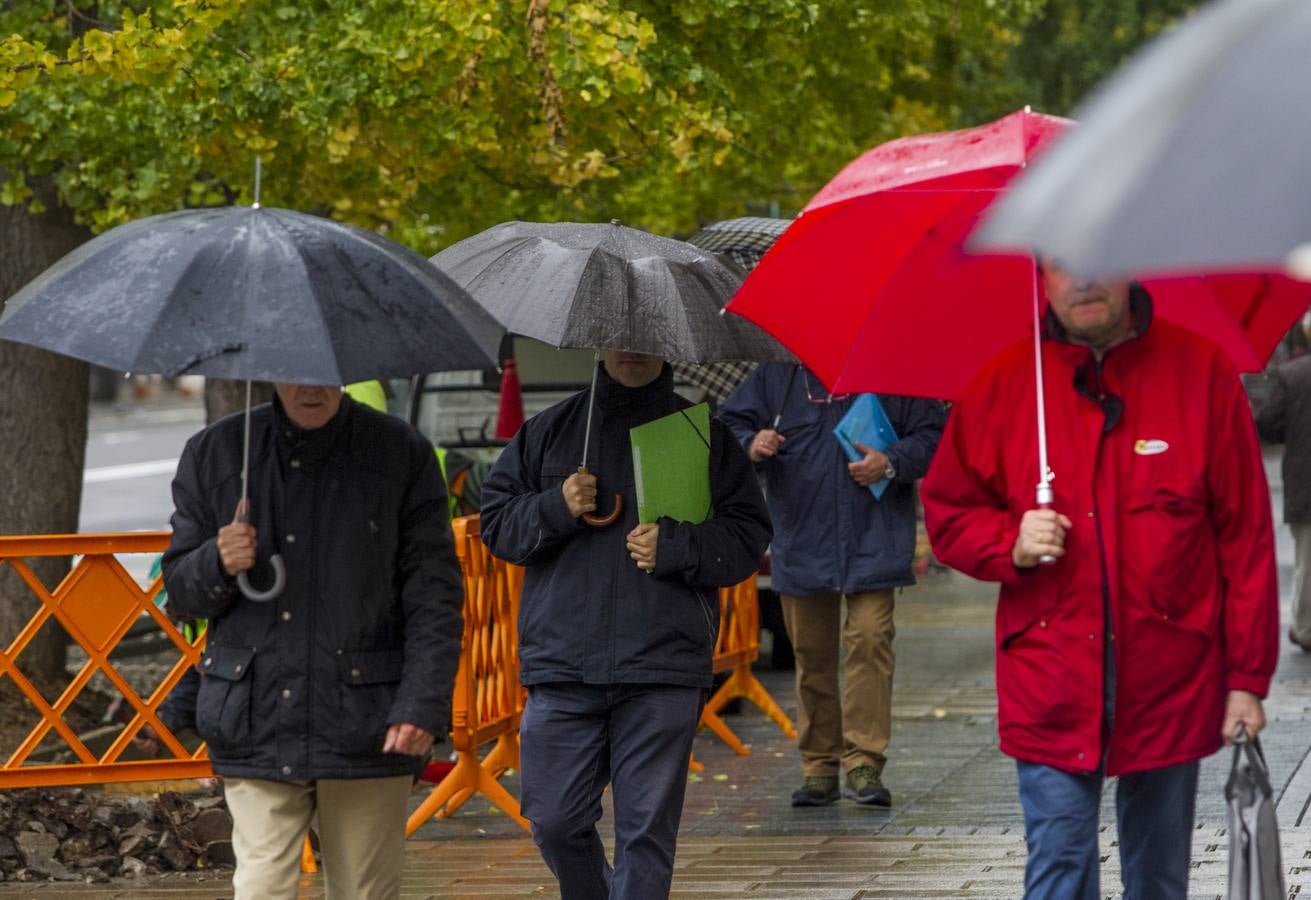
x=1154 y=813
x=574 y=739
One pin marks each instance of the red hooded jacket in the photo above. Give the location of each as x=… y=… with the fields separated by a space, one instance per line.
x=1171 y=514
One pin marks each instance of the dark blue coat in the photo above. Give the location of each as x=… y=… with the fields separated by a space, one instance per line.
x=830 y=534
x=366 y=633
x=587 y=612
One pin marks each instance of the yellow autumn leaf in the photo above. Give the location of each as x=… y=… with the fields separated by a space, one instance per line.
x=98 y=44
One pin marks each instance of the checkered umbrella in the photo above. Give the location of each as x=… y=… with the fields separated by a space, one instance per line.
x=744 y=240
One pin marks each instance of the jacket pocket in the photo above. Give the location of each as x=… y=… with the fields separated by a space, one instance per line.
x=223 y=702
x=368 y=681
x=1020 y=611
x=1168 y=546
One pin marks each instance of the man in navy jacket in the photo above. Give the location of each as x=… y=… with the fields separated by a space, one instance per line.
x=833 y=539
x=617 y=625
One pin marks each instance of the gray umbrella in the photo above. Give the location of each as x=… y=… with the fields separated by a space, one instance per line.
x=252 y=293
x=1194 y=155
x=606 y=287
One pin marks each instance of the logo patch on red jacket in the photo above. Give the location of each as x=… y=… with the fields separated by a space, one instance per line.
x=1150 y=447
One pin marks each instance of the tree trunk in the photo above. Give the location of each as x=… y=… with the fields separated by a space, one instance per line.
x=223 y=397
x=43 y=429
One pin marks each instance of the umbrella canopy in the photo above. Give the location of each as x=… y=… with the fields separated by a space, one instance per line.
x=252 y=293
x=606 y=287
x=893 y=304
x=744 y=240
x=1193 y=156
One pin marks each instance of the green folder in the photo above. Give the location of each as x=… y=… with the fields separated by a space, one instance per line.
x=671 y=466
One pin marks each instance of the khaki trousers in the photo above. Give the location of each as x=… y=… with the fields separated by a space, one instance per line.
x=842 y=727
x=1301 y=580
x=361 y=826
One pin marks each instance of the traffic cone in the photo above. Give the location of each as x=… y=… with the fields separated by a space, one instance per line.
x=509 y=414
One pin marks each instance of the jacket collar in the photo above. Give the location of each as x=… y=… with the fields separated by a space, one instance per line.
x=310 y=445
x=610 y=394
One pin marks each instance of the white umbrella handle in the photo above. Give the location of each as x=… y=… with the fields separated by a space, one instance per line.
x=279 y=582
x=1043 y=489
x=279 y=570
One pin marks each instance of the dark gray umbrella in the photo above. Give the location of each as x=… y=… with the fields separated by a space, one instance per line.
x=1193 y=156
x=257 y=294
x=606 y=287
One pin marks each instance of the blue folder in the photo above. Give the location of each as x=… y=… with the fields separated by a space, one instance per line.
x=866 y=423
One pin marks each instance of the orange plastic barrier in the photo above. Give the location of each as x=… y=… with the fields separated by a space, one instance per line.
x=736 y=649
x=488 y=700
x=96 y=603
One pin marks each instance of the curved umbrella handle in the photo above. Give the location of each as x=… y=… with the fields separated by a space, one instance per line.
x=279 y=582
x=602 y=521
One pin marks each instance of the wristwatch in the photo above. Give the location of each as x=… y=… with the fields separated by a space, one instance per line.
x=889 y=472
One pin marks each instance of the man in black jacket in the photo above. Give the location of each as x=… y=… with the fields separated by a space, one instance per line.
x=327 y=698
x=617 y=625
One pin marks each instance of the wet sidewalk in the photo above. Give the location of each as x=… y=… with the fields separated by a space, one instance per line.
x=955 y=828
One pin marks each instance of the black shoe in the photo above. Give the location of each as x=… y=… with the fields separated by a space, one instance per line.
x=816 y=790
x=1305 y=645
x=865 y=786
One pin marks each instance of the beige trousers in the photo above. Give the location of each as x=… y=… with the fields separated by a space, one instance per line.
x=1301 y=580
x=361 y=826
x=842 y=722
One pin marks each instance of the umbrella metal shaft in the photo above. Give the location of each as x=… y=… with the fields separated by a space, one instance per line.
x=1044 y=486
x=591 y=401
x=244 y=509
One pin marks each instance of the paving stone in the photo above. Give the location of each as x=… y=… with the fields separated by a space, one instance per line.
x=955 y=828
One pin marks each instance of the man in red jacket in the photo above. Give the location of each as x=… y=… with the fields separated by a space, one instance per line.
x=1155 y=632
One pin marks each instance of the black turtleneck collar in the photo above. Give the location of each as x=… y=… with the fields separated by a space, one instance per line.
x=309 y=445
x=1140 y=307
x=610 y=394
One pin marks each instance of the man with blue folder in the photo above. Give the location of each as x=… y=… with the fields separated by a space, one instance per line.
x=618 y=619
x=842 y=529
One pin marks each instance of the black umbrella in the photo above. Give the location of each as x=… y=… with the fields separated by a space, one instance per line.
x=256 y=294
x=1193 y=156
x=607 y=287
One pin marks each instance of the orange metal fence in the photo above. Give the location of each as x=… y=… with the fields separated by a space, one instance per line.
x=488 y=700
x=96 y=603
x=736 y=649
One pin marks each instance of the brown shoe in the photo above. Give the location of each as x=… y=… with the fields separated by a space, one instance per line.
x=1305 y=645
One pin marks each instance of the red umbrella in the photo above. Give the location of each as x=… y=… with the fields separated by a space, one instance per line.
x=871 y=289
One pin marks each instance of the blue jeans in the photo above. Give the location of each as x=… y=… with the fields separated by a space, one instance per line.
x=1154 y=815
x=574 y=739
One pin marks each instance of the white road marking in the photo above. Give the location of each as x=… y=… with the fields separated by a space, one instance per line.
x=130 y=470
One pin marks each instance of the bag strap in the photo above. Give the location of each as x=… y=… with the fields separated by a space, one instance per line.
x=1251 y=748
